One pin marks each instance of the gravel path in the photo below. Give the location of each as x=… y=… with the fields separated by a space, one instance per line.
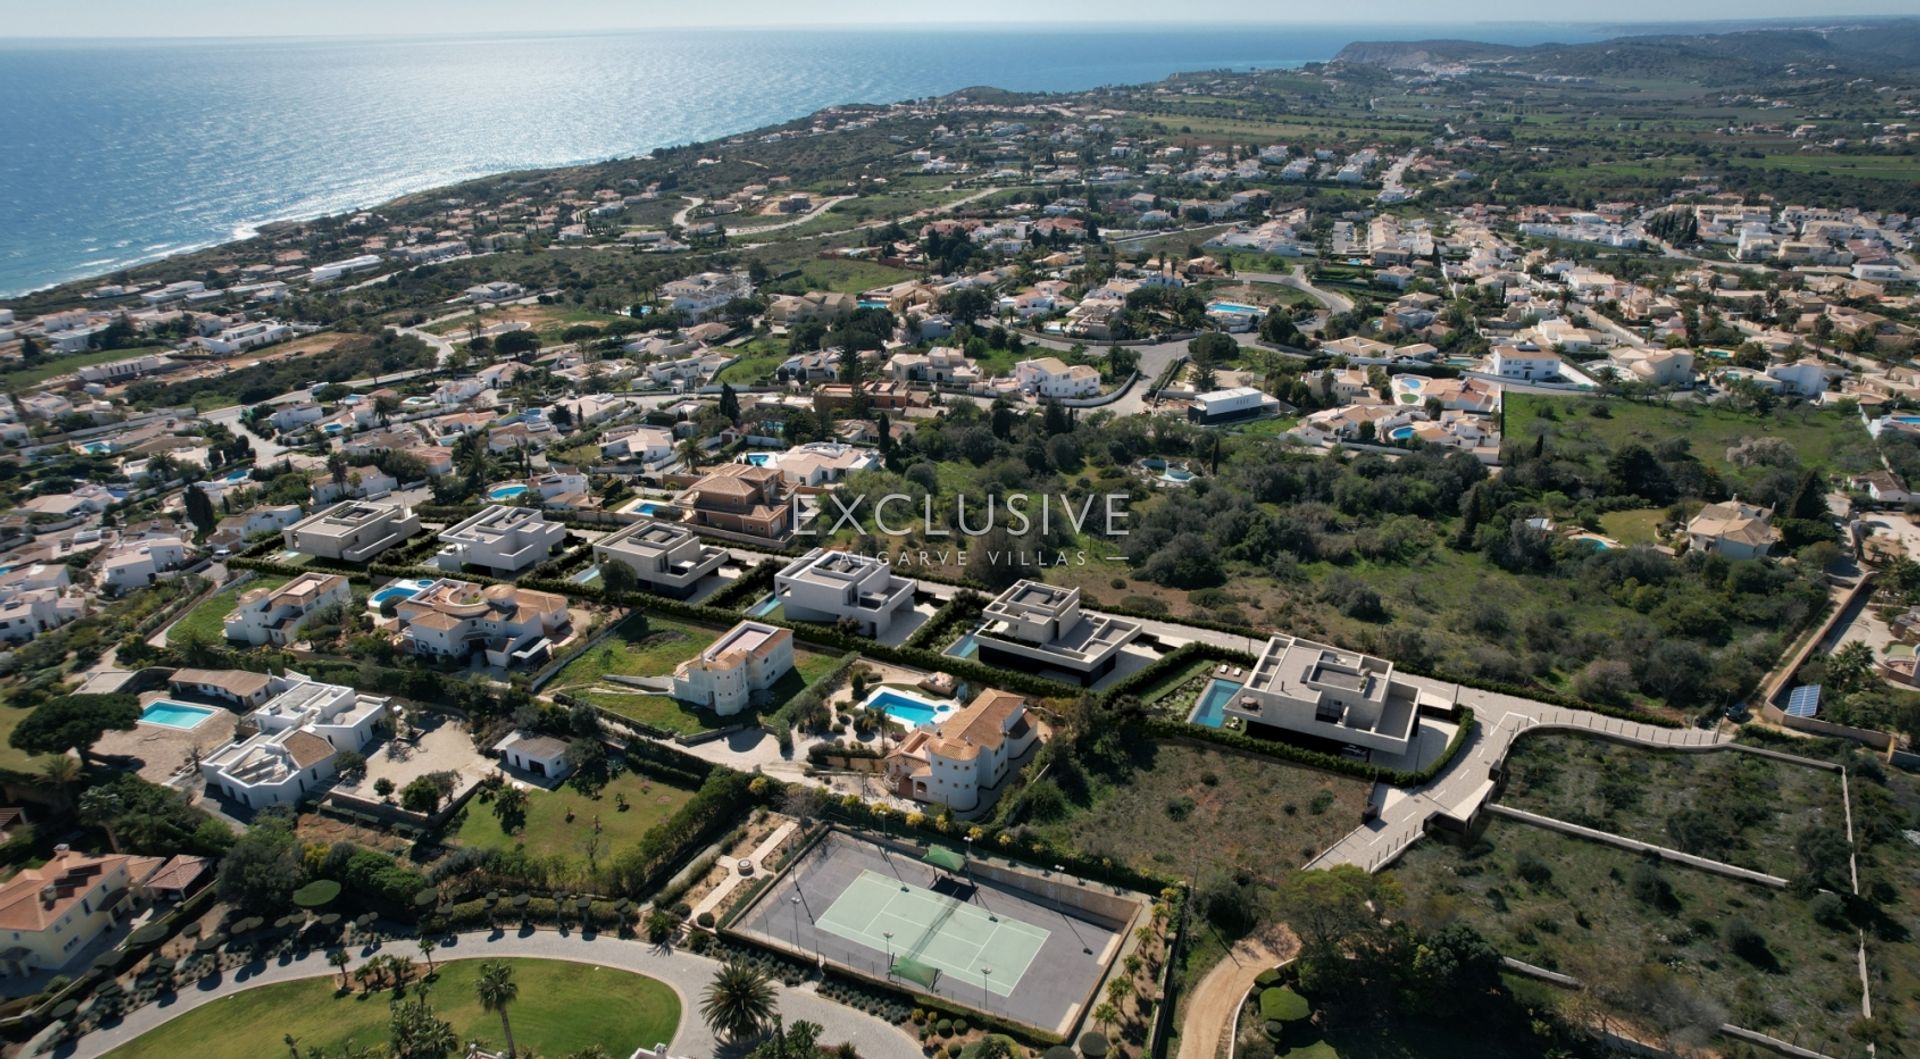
x=686 y=973
x=1214 y=1005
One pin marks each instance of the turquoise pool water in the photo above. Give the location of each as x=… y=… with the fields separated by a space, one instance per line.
x=1236 y=308
x=506 y=492
x=97 y=448
x=587 y=576
x=1906 y=419
x=759 y=459
x=1211 y=710
x=966 y=648
x=764 y=607
x=1400 y=433
x=644 y=507
x=169 y=714
x=910 y=710
x=398 y=591
x=1178 y=474
x=869 y=303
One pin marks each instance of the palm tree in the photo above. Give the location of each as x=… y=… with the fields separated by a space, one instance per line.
x=292 y=1043
x=739 y=1002
x=591 y=1051
x=340 y=959
x=1106 y=1015
x=60 y=771
x=101 y=806
x=497 y=989
x=427 y=945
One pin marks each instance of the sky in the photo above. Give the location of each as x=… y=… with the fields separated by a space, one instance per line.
x=248 y=18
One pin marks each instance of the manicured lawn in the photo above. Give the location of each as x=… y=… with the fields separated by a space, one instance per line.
x=10 y=718
x=547 y=832
x=563 y=1007
x=1179 y=808
x=208 y=620
x=652 y=648
x=1634 y=526
x=1637 y=793
x=1656 y=941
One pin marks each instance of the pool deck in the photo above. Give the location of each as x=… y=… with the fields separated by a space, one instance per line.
x=157 y=752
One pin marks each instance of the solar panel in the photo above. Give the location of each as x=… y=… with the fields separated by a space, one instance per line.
x=1804 y=701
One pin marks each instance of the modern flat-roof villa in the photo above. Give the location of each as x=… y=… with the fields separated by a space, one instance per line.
x=511 y=625
x=1035 y=626
x=353 y=531
x=969 y=752
x=742 y=664
x=666 y=558
x=502 y=539
x=826 y=586
x=1311 y=689
x=275 y=615
x=296 y=735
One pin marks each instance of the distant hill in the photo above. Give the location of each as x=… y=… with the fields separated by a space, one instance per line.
x=1859 y=48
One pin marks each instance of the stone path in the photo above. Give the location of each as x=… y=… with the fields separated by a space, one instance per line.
x=684 y=972
x=734 y=879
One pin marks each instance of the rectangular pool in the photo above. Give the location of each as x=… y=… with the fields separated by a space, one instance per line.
x=1211 y=711
x=169 y=714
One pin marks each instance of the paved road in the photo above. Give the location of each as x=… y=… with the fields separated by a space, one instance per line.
x=1467 y=781
x=686 y=973
x=1333 y=300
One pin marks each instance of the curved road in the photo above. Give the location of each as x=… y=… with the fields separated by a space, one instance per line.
x=684 y=972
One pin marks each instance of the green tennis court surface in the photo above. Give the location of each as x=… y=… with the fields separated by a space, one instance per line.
x=963 y=940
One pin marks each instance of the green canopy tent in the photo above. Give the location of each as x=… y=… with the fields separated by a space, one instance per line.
x=945 y=859
x=914 y=971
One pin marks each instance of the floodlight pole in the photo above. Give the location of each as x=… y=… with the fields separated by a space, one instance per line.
x=888 y=934
x=986 y=999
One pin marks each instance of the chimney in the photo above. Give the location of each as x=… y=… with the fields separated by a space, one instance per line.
x=47 y=895
x=60 y=851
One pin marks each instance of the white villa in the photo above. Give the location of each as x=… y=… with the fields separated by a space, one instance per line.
x=971 y=751
x=294 y=738
x=353 y=531
x=1034 y=626
x=510 y=625
x=502 y=539
x=1311 y=689
x=745 y=661
x=140 y=563
x=827 y=586
x=275 y=615
x=666 y=558
x=1051 y=377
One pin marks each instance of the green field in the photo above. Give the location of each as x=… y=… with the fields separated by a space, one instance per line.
x=1633 y=526
x=10 y=718
x=1823 y=437
x=654 y=651
x=563 y=1007
x=546 y=830
x=47 y=369
x=208 y=619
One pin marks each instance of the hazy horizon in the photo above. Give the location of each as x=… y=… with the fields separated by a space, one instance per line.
x=214 y=19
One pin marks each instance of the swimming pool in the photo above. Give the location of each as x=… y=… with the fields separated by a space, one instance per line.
x=1906 y=419
x=1235 y=308
x=1177 y=474
x=1401 y=433
x=1211 y=710
x=764 y=607
x=910 y=710
x=869 y=303
x=237 y=476
x=759 y=459
x=644 y=507
x=169 y=714
x=507 y=492
x=587 y=576
x=398 y=591
x=966 y=648
x=334 y=428
x=97 y=448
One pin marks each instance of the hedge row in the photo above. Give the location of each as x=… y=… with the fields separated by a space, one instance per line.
x=963 y=609
x=748 y=588
x=1167 y=728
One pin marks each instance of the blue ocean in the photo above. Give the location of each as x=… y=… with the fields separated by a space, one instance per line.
x=115 y=153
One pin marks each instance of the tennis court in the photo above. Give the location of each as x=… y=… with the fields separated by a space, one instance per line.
x=960 y=940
